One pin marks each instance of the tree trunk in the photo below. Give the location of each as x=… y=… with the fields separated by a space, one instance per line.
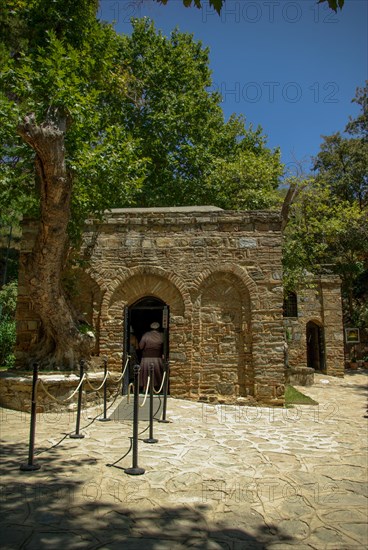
x=290 y=197
x=61 y=344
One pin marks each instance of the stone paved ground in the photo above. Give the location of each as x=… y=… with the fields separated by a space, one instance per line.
x=219 y=478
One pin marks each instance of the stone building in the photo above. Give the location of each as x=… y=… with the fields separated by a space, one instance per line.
x=213 y=280
x=314 y=330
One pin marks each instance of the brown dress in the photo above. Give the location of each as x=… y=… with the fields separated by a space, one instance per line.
x=151 y=345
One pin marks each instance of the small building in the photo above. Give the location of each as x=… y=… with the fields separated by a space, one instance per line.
x=213 y=280
x=314 y=332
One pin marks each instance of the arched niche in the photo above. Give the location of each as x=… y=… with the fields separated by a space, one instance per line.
x=223 y=327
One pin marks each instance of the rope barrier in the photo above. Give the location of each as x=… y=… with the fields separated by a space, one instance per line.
x=162 y=385
x=61 y=401
x=147 y=388
x=77 y=434
x=38 y=383
x=130 y=387
x=99 y=387
x=122 y=374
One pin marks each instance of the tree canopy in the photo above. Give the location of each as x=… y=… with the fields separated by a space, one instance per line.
x=328 y=228
x=180 y=126
x=141 y=126
x=91 y=120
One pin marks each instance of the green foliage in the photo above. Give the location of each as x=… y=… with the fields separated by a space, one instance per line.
x=182 y=132
x=324 y=233
x=24 y=24
x=247 y=181
x=328 y=227
x=216 y=4
x=7 y=342
x=8 y=300
x=333 y=4
x=141 y=127
x=78 y=84
x=359 y=126
x=295 y=397
x=342 y=163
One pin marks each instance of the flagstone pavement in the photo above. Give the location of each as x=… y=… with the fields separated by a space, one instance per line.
x=219 y=477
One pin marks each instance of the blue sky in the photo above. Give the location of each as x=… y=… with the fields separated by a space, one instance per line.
x=290 y=66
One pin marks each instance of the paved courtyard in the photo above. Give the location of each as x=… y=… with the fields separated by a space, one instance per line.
x=220 y=477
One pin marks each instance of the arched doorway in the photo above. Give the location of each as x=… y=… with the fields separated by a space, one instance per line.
x=315 y=346
x=145 y=311
x=138 y=319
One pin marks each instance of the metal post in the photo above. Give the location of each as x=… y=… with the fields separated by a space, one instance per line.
x=77 y=435
x=31 y=465
x=166 y=388
x=135 y=470
x=104 y=418
x=151 y=439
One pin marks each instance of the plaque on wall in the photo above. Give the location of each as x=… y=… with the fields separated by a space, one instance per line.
x=352 y=335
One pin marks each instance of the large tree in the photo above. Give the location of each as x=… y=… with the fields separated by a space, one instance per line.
x=328 y=228
x=181 y=128
x=91 y=120
x=60 y=67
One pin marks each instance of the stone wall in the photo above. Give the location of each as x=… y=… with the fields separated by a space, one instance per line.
x=318 y=303
x=220 y=273
x=16 y=392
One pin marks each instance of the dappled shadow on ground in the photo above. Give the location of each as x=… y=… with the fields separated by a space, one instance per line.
x=56 y=507
x=361 y=389
x=353 y=373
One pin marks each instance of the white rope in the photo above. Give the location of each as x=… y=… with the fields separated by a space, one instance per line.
x=131 y=386
x=99 y=387
x=122 y=374
x=162 y=384
x=68 y=398
x=147 y=388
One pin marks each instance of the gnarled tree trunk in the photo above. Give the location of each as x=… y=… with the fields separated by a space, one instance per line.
x=61 y=344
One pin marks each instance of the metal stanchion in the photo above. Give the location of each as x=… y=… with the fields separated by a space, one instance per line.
x=166 y=389
x=135 y=470
x=104 y=418
x=77 y=435
x=151 y=439
x=30 y=464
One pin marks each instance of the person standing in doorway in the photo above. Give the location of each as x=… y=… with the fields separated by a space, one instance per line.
x=151 y=345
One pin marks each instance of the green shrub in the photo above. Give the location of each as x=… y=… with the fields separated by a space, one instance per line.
x=7 y=342
x=8 y=300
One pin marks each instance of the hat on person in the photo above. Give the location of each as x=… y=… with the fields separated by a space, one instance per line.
x=155 y=325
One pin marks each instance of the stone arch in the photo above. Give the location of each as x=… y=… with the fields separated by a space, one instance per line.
x=241 y=276
x=222 y=324
x=141 y=281
x=128 y=288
